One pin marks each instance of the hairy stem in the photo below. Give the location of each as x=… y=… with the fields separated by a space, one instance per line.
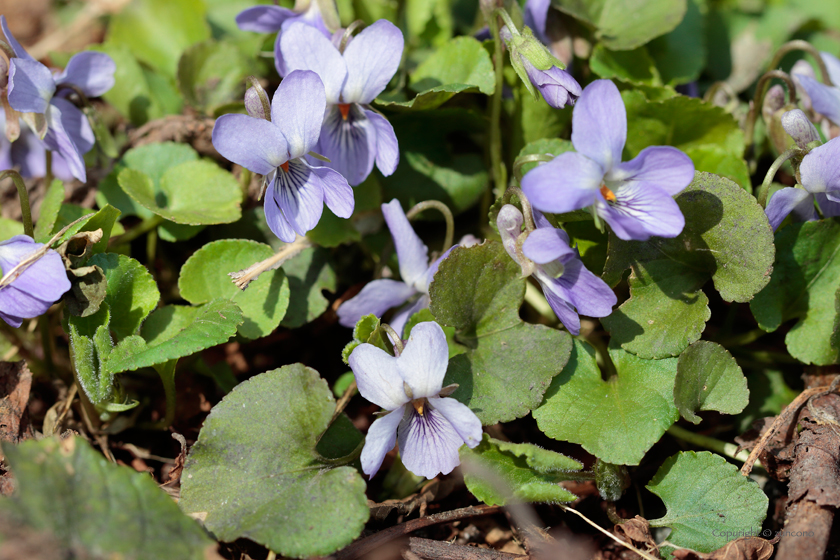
x=447 y=215
x=764 y=189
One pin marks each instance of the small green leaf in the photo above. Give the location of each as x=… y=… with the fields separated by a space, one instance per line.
x=205 y=277
x=709 y=378
x=424 y=316
x=214 y=323
x=709 y=502
x=212 y=72
x=367 y=331
x=97 y=509
x=616 y=420
x=509 y=364
x=237 y=468
x=309 y=274
x=635 y=67
x=132 y=292
x=49 y=211
x=496 y=471
x=90 y=347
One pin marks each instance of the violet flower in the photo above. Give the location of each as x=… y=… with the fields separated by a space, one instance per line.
x=32 y=89
x=634 y=197
x=416 y=272
x=569 y=287
x=556 y=86
x=353 y=136
x=824 y=99
x=295 y=198
x=820 y=179
x=430 y=427
x=29 y=155
x=29 y=290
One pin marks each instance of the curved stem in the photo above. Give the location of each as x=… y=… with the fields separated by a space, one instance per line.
x=395 y=338
x=48 y=176
x=349 y=33
x=25 y=210
x=727 y=449
x=447 y=215
x=527 y=212
x=731 y=94
x=502 y=13
x=800 y=45
x=524 y=160
x=758 y=100
x=771 y=173
x=499 y=171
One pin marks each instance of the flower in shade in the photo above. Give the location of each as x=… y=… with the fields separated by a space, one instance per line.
x=416 y=272
x=820 y=180
x=29 y=155
x=276 y=148
x=353 y=136
x=635 y=197
x=33 y=279
x=824 y=99
x=569 y=287
x=270 y=19
x=430 y=427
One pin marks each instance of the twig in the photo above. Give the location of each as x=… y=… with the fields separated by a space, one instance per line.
x=244 y=277
x=641 y=553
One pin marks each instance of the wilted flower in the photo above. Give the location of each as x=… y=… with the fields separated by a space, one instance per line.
x=820 y=178
x=416 y=272
x=32 y=279
x=295 y=198
x=824 y=99
x=430 y=427
x=634 y=197
x=569 y=287
x=353 y=136
x=34 y=89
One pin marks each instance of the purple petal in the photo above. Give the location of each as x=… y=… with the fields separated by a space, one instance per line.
x=338 y=195
x=535 y=14
x=305 y=48
x=372 y=60
x=380 y=439
x=387 y=147
x=29 y=153
x=37 y=288
x=642 y=210
x=412 y=254
x=664 y=167
x=299 y=195
x=568 y=182
x=31 y=86
x=18 y=50
x=263 y=19
x=819 y=171
x=599 y=124
x=824 y=99
x=403 y=314
x=557 y=86
x=784 y=201
x=832 y=64
x=590 y=295
x=59 y=140
x=255 y=144
x=509 y=222
x=297 y=109
x=423 y=362
x=428 y=444
x=376 y=297
x=547 y=245
x=350 y=144
x=377 y=377
x=559 y=300
x=92 y=72
x=76 y=124
x=829 y=208
x=464 y=420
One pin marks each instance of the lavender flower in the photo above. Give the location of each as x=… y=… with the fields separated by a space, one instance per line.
x=29 y=155
x=353 y=136
x=430 y=428
x=634 y=197
x=569 y=287
x=824 y=99
x=820 y=177
x=33 y=89
x=416 y=272
x=33 y=279
x=276 y=148
x=535 y=15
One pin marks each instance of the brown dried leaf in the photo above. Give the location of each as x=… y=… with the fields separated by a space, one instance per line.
x=636 y=531
x=433 y=490
x=745 y=548
x=15 y=384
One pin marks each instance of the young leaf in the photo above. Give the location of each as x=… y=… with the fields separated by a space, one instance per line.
x=367 y=331
x=132 y=293
x=90 y=347
x=205 y=277
x=257 y=453
x=616 y=420
x=709 y=502
x=509 y=363
x=709 y=378
x=49 y=211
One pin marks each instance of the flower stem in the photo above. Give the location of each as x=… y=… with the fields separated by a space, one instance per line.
x=48 y=177
x=395 y=338
x=25 y=210
x=146 y=225
x=447 y=215
x=535 y=299
x=800 y=45
x=166 y=371
x=499 y=170
x=771 y=173
x=727 y=449
x=527 y=212
x=758 y=100
x=524 y=160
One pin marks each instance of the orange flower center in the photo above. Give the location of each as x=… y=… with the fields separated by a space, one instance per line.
x=607 y=193
x=418 y=405
x=285 y=166
x=345 y=110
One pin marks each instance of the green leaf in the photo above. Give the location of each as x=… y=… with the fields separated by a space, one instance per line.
x=616 y=420
x=635 y=67
x=425 y=316
x=97 y=509
x=626 y=24
x=49 y=211
x=10 y=228
x=769 y=395
x=158 y=31
x=429 y=21
x=681 y=54
x=205 y=277
x=194 y=193
x=132 y=293
x=534 y=119
x=214 y=323
x=687 y=123
x=105 y=219
x=509 y=364
x=309 y=274
x=90 y=347
x=709 y=378
x=726 y=238
x=496 y=471
x=708 y=501
x=212 y=73
x=545 y=147
x=367 y=331
x=235 y=469
x=806 y=277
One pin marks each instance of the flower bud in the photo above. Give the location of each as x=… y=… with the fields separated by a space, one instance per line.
x=256 y=102
x=800 y=128
x=774 y=100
